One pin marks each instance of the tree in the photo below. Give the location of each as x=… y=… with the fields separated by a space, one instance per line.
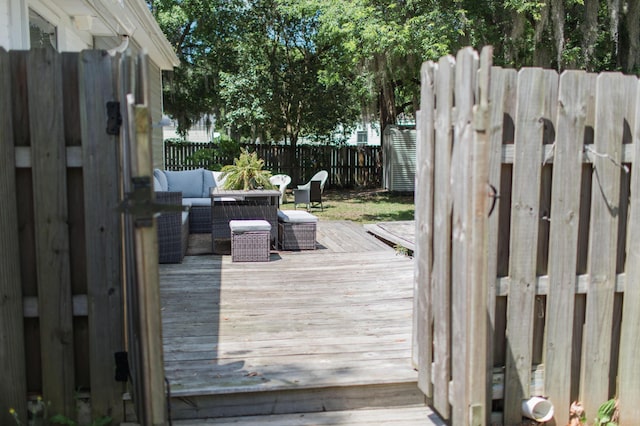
x=277 y=91
x=283 y=69
x=204 y=34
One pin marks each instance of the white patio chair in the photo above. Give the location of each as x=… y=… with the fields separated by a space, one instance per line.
x=281 y=181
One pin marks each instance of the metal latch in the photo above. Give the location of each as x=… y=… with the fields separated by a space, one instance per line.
x=114 y=118
x=139 y=204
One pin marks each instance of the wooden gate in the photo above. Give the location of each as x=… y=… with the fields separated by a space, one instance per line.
x=528 y=240
x=62 y=257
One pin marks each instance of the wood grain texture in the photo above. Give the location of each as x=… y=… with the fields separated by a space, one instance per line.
x=423 y=235
x=51 y=230
x=629 y=366
x=102 y=231
x=441 y=284
x=146 y=255
x=479 y=341
x=531 y=114
x=466 y=69
x=300 y=322
x=13 y=387
x=564 y=219
x=405 y=416
x=605 y=200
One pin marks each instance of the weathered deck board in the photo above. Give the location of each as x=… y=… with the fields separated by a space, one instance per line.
x=392 y=417
x=338 y=316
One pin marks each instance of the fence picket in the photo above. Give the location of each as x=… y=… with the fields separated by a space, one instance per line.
x=605 y=203
x=564 y=215
x=529 y=133
x=629 y=364
x=52 y=234
x=423 y=314
x=499 y=93
x=12 y=363
x=102 y=231
x=441 y=298
x=466 y=70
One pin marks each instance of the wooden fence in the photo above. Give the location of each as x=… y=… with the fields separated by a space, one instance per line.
x=528 y=242
x=348 y=166
x=62 y=286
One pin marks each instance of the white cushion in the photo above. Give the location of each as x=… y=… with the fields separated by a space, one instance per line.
x=162 y=180
x=240 y=226
x=198 y=201
x=296 y=216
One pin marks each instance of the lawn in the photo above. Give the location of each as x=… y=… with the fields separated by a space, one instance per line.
x=363 y=206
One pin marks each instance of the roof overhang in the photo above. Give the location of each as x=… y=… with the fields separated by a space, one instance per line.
x=117 y=18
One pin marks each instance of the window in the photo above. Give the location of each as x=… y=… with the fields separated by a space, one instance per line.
x=362 y=137
x=42 y=33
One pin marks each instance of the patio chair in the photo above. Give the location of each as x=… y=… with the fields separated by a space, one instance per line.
x=281 y=181
x=322 y=176
x=311 y=192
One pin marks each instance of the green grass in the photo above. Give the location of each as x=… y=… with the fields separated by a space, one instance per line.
x=363 y=206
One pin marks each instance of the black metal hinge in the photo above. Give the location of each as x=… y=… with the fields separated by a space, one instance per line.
x=114 y=118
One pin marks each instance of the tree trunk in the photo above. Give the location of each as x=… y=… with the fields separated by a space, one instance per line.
x=557 y=17
x=387 y=108
x=294 y=169
x=630 y=55
x=590 y=31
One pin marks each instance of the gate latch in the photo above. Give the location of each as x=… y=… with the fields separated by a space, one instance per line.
x=139 y=204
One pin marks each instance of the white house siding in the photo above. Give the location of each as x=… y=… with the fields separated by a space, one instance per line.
x=155 y=85
x=110 y=20
x=14 y=35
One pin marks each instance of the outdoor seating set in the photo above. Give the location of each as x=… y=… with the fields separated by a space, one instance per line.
x=251 y=220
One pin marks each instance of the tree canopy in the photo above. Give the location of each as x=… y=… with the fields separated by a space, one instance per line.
x=285 y=69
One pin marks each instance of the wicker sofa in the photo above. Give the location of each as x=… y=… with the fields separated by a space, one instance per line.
x=189 y=188
x=173 y=229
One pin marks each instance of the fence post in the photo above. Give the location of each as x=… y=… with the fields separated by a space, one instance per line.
x=13 y=387
x=423 y=313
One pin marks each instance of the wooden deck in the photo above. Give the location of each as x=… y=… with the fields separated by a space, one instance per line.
x=312 y=331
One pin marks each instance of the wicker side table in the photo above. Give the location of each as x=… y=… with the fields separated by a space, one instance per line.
x=250 y=240
x=296 y=230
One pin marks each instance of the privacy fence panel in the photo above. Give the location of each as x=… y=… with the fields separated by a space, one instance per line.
x=61 y=287
x=527 y=264
x=348 y=166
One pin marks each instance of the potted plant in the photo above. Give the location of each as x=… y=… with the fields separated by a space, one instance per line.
x=246 y=173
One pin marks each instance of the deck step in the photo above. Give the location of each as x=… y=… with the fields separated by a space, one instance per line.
x=295 y=400
x=418 y=415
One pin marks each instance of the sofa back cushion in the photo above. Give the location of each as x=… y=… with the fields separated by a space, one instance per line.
x=189 y=182
x=208 y=182
x=159 y=176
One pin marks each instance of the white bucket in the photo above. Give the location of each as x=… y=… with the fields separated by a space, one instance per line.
x=538 y=409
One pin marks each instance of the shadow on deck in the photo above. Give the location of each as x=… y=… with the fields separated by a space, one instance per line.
x=326 y=330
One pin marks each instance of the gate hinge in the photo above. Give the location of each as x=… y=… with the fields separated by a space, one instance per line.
x=114 y=118
x=122 y=367
x=139 y=203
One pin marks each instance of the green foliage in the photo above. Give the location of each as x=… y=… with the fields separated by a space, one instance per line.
x=214 y=158
x=285 y=69
x=38 y=415
x=246 y=173
x=607 y=414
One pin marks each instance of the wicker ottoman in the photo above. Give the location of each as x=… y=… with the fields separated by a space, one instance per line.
x=296 y=230
x=250 y=240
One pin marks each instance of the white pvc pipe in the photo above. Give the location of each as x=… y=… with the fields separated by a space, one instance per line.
x=538 y=409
